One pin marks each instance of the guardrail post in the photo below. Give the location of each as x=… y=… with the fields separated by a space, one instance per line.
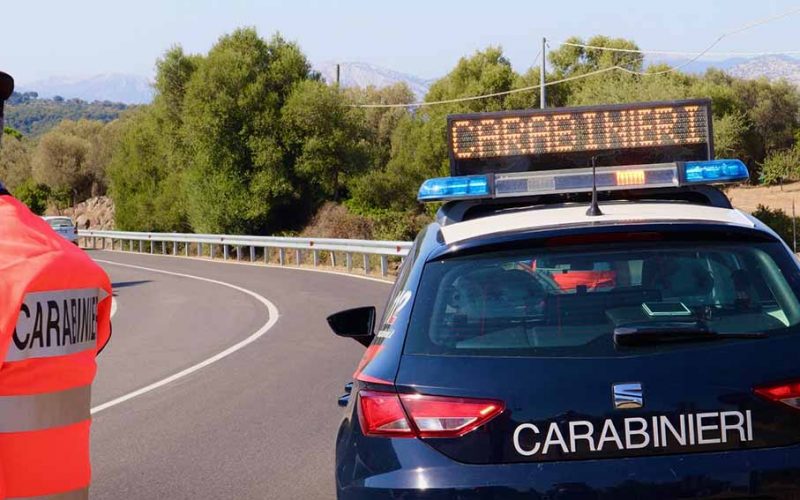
x=266 y=255
x=282 y=256
x=130 y=246
x=349 y=258
x=140 y=246
x=164 y=248
x=366 y=264
x=316 y=257
x=225 y=251
x=333 y=258
x=297 y=256
x=238 y=252
x=252 y=253
x=211 y=251
x=199 y=249
x=186 y=248
x=384 y=265
x=152 y=247
x=174 y=248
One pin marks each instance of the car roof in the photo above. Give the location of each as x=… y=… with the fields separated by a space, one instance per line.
x=575 y=215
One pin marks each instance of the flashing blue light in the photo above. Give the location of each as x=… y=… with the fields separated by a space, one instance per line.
x=715 y=171
x=454 y=188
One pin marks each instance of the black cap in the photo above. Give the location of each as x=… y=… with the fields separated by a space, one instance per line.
x=6 y=86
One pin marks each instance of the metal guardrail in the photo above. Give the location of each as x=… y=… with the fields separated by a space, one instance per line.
x=313 y=250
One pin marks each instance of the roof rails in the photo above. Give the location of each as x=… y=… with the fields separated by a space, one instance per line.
x=462 y=210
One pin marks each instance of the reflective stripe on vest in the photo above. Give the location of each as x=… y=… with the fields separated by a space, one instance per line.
x=81 y=494
x=44 y=411
x=55 y=323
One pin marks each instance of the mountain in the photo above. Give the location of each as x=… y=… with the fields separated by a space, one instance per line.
x=115 y=87
x=356 y=74
x=772 y=67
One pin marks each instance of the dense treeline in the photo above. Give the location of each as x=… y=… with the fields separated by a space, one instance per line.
x=33 y=116
x=247 y=139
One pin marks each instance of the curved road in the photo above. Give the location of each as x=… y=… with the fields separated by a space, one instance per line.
x=259 y=423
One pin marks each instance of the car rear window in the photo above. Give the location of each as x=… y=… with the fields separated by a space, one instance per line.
x=567 y=301
x=60 y=222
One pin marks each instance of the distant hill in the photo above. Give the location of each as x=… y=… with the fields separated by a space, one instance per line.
x=771 y=67
x=356 y=74
x=33 y=116
x=115 y=87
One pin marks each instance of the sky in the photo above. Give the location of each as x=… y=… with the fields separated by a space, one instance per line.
x=79 y=38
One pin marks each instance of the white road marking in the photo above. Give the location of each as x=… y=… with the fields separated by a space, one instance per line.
x=273 y=318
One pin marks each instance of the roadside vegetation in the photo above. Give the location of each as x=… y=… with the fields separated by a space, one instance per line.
x=248 y=139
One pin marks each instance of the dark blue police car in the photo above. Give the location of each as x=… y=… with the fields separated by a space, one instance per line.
x=587 y=318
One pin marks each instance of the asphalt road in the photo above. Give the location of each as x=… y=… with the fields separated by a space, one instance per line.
x=259 y=423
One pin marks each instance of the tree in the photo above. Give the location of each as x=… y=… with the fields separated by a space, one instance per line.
x=60 y=161
x=380 y=123
x=419 y=145
x=772 y=110
x=730 y=135
x=327 y=137
x=72 y=158
x=15 y=159
x=148 y=195
x=236 y=170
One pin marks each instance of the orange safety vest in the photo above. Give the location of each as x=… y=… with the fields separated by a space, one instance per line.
x=54 y=317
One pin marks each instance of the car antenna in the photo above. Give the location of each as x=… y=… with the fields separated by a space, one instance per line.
x=594 y=208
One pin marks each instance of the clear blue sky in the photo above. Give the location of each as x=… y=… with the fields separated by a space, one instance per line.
x=42 y=38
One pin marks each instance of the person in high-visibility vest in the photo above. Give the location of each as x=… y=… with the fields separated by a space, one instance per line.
x=54 y=319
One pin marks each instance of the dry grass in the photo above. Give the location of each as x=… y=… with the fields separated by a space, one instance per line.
x=747 y=198
x=335 y=221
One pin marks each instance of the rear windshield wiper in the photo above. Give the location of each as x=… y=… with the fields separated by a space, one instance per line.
x=672 y=332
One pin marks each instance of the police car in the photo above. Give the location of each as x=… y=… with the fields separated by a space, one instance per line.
x=588 y=317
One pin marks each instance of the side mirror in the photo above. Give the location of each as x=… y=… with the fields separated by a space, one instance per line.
x=358 y=324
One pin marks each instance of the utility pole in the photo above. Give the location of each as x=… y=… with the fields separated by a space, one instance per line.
x=794 y=228
x=542 y=94
x=338 y=72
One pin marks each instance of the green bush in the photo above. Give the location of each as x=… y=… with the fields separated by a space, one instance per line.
x=34 y=195
x=781 y=166
x=776 y=219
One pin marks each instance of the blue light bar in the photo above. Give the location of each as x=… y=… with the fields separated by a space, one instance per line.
x=455 y=188
x=581 y=180
x=715 y=171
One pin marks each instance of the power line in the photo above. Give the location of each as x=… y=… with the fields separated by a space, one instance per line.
x=697 y=56
x=707 y=50
x=485 y=96
x=682 y=53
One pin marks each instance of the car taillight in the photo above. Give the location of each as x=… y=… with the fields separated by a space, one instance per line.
x=381 y=414
x=417 y=415
x=784 y=393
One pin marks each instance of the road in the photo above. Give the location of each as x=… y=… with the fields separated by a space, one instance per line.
x=258 y=423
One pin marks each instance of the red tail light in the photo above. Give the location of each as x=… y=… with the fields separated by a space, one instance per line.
x=784 y=393
x=417 y=415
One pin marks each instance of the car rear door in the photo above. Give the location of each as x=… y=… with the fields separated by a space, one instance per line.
x=489 y=326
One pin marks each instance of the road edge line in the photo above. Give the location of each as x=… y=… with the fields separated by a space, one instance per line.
x=272 y=310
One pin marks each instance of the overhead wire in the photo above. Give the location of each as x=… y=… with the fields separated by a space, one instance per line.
x=698 y=55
